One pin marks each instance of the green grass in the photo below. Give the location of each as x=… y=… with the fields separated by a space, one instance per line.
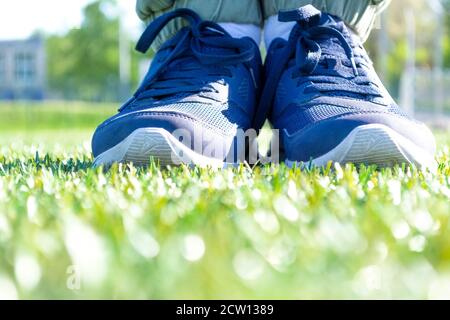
x=28 y=117
x=70 y=231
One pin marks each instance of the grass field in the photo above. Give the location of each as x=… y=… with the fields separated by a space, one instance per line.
x=70 y=231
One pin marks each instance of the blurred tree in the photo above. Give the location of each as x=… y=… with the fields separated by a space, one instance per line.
x=396 y=49
x=84 y=63
x=446 y=43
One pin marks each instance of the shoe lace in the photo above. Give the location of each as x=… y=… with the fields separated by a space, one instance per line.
x=311 y=63
x=198 y=58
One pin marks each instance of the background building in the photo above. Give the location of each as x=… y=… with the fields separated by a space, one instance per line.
x=22 y=69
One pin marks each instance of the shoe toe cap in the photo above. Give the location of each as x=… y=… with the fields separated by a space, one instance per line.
x=118 y=128
x=320 y=137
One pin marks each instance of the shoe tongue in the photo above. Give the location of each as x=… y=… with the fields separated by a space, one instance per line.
x=309 y=17
x=211 y=48
x=207 y=48
x=331 y=45
x=216 y=50
x=306 y=16
x=332 y=49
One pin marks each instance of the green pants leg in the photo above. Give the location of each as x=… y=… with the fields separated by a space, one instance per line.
x=358 y=14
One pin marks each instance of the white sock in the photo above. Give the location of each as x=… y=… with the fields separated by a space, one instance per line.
x=276 y=29
x=238 y=30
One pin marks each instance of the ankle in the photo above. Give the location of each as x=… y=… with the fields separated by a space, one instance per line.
x=238 y=30
x=275 y=29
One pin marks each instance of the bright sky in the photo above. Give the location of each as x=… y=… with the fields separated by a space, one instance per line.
x=20 y=18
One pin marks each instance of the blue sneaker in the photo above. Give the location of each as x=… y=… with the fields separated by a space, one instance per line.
x=324 y=96
x=198 y=96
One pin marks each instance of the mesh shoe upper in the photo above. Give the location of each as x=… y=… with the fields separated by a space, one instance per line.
x=321 y=85
x=201 y=79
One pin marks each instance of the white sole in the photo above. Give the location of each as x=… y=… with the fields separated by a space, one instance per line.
x=146 y=143
x=374 y=144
